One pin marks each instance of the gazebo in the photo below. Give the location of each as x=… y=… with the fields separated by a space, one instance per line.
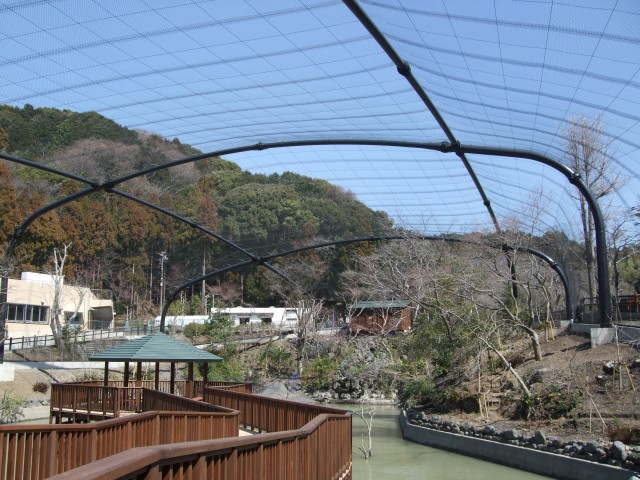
x=156 y=348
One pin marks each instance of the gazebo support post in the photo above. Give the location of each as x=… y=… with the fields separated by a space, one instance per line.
x=172 y=388
x=126 y=374
x=139 y=387
x=189 y=390
x=105 y=379
x=205 y=373
x=157 y=377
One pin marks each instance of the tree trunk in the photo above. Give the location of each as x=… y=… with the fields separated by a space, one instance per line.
x=515 y=374
x=535 y=342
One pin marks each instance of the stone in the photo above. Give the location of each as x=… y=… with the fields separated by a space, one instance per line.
x=510 y=434
x=608 y=367
x=618 y=451
x=539 y=438
x=538 y=376
x=489 y=430
x=591 y=448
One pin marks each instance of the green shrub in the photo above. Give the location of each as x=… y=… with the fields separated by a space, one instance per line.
x=11 y=408
x=554 y=402
x=278 y=362
x=193 y=330
x=416 y=393
x=230 y=368
x=319 y=374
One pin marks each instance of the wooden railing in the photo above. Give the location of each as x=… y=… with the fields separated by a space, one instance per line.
x=90 y=400
x=321 y=450
x=40 y=451
x=304 y=441
x=82 y=402
x=266 y=414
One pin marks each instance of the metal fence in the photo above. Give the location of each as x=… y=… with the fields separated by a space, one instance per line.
x=81 y=336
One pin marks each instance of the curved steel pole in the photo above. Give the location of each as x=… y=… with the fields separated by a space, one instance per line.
x=404 y=69
x=569 y=303
x=444 y=147
x=602 y=265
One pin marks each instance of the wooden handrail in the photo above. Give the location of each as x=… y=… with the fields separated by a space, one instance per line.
x=266 y=414
x=312 y=452
x=305 y=441
x=39 y=451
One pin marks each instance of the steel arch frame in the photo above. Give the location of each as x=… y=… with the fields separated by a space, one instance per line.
x=604 y=297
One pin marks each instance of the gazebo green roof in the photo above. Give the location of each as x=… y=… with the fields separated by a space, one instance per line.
x=157 y=347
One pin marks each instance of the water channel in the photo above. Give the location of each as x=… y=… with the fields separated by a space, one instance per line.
x=394 y=458
x=397 y=459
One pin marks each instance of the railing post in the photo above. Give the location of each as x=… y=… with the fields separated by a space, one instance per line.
x=89 y=403
x=51 y=466
x=116 y=407
x=93 y=454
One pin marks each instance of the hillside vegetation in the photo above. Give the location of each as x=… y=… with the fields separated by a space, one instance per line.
x=115 y=243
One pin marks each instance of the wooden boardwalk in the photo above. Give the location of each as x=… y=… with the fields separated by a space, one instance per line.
x=231 y=434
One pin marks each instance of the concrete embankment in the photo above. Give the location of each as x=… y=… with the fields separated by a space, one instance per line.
x=535 y=461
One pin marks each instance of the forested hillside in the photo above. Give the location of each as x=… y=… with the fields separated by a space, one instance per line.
x=116 y=243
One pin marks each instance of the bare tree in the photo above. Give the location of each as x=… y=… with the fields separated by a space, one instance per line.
x=367 y=418
x=465 y=286
x=587 y=155
x=59 y=259
x=299 y=276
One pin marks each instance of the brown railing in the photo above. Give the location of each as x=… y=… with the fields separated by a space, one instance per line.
x=39 y=451
x=321 y=450
x=82 y=402
x=86 y=401
x=267 y=414
x=153 y=400
x=304 y=441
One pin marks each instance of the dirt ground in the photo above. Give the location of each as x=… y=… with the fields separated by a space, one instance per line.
x=609 y=405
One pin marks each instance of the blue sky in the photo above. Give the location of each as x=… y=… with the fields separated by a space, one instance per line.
x=230 y=73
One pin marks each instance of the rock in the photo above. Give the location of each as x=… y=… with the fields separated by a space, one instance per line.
x=539 y=438
x=489 y=430
x=591 y=448
x=635 y=363
x=618 y=451
x=510 y=434
x=538 y=376
x=608 y=367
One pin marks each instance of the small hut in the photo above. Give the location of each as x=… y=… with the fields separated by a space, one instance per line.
x=381 y=316
x=155 y=348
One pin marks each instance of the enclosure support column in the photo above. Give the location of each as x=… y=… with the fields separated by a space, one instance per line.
x=105 y=380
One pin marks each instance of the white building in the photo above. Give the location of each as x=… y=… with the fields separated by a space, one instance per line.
x=282 y=318
x=30 y=302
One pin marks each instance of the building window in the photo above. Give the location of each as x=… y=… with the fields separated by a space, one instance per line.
x=73 y=318
x=244 y=320
x=27 y=313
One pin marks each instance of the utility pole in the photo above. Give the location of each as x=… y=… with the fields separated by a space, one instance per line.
x=163 y=258
x=204 y=285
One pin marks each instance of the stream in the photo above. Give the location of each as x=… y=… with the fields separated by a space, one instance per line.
x=394 y=458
